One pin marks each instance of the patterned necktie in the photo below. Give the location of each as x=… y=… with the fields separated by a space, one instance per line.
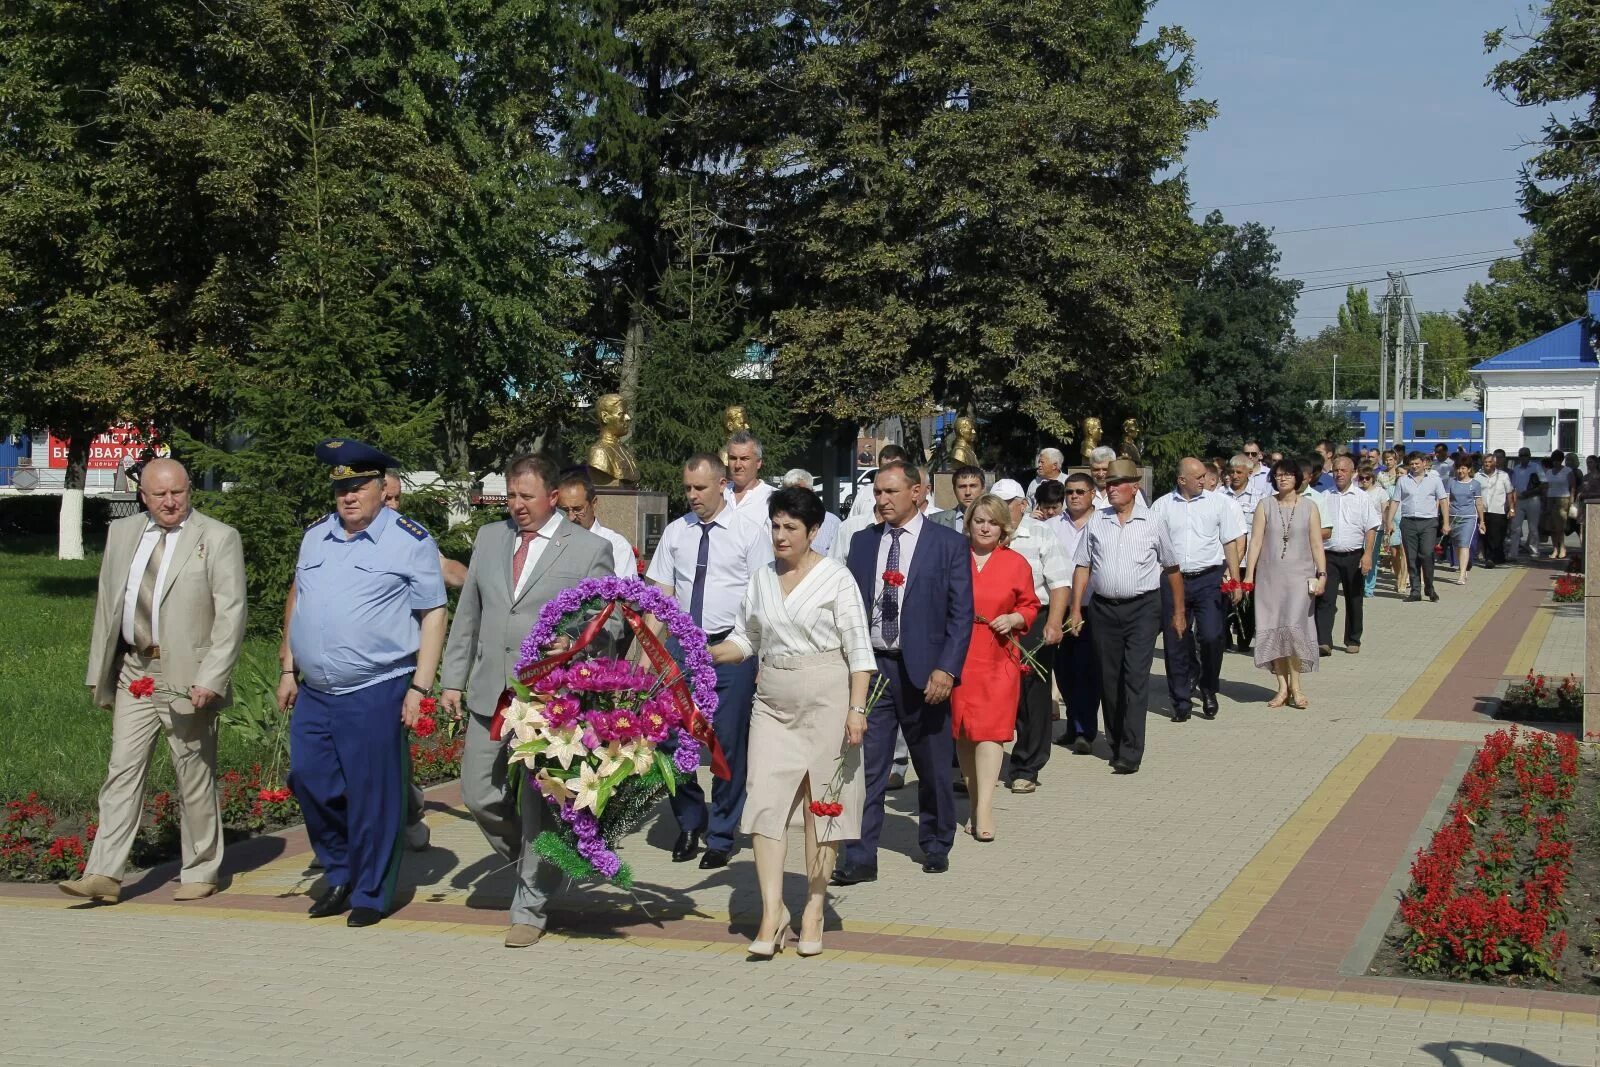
x=519 y=558
x=697 y=598
x=144 y=606
x=891 y=593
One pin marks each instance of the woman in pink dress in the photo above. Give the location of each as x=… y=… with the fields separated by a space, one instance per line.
x=983 y=708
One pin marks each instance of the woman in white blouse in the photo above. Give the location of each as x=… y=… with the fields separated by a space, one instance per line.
x=802 y=615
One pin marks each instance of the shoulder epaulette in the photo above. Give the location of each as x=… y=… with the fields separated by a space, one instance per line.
x=318 y=521
x=410 y=526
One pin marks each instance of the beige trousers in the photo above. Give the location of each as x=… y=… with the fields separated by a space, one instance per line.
x=192 y=738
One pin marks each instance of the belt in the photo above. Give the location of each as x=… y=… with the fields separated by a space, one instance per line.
x=719 y=636
x=887 y=653
x=153 y=652
x=1122 y=600
x=1203 y=571
x=1343 y=551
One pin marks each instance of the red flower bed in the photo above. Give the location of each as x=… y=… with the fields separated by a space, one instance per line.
x=34 y=846
x=1486 y=894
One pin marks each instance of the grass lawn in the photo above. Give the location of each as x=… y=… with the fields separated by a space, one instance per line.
x=53 y=740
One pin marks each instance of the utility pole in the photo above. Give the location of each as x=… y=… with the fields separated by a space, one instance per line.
x=1422 y=356
x=1383 y=381
x=1336 y=377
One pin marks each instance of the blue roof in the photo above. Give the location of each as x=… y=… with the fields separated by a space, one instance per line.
x=1563 y=348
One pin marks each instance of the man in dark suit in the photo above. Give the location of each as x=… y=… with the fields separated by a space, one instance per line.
x=916 y=578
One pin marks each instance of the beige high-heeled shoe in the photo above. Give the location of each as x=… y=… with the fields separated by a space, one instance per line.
x=807 y=948
x=767 y=949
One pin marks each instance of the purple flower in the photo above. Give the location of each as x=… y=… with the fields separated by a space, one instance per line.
x=590 y=739
x=607 y=864
x=687 y=757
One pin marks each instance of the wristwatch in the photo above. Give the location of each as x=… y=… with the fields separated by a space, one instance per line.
x=415 y=688
x=858 y=708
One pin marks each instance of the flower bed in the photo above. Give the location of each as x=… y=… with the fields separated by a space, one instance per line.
x=1487 y=899
x=40 y=845
x=1569 y=589
x=1536 y=699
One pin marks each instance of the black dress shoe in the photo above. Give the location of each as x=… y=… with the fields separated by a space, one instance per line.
x=959 y=785
x=364 y=917
x=1414 y=598
x=851 y=874
x=686 y=848
x=1180 y=716
x=1208 y=705
x=1433 y=596
x=714 y=858
x=935 y=864
x=333 y=902
x=1122 y=766
x=1083 y=746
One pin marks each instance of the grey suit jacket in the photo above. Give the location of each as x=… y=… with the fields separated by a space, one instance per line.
x=200 y=607
x=489 y=626
x=946 y=518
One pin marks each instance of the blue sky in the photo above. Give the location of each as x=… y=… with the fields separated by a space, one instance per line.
x=1331 y=98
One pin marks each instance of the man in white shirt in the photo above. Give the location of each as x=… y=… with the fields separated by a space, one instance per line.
x=1052 y=582
x=1206 y=531
x=1349 y=548
x=575 y=499
x=801 y=478
x=746 y=493
x=1048 y=465
x=1128 y=556
x=705 y=560
x=1499 y=509
x=1077 y=669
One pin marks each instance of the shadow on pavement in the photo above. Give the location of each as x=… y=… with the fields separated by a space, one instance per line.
x=1446 y=1053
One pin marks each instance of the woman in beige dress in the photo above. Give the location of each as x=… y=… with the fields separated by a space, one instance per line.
x=803 y=616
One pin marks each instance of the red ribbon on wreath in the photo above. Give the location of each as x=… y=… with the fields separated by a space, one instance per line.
x=694 y=719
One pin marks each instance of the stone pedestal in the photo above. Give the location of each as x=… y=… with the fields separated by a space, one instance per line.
x=944 y=489
x=1591 y=623
x=640 y=515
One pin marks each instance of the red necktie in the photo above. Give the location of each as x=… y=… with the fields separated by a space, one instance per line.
x=520 y=557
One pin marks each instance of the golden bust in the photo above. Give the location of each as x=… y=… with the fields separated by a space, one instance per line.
x=963 y=450
x=1091 y=438
x=610 y=461
x=733 y=421
x=1130 y=441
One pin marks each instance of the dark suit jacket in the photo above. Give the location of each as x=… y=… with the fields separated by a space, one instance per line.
x=935 y=603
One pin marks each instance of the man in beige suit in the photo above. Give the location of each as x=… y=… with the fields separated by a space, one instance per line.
x=169 y=622
x=517 y=567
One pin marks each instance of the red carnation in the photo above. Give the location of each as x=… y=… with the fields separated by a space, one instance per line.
x=428 y=706
x=142 y=687
x=818 y=808
x=894 y=578
x=425 y=727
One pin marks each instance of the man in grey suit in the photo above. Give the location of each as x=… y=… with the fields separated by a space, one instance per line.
x=968 y=485
x=517 y=567
x=168 y=626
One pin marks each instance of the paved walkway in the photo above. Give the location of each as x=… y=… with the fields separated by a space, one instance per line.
x=1217 y=908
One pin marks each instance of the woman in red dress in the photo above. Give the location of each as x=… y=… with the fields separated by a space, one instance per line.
x=983 y=708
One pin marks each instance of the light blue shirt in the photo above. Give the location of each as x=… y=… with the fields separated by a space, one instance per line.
x=1125 y=559
x=356 y=600
x=1419 y=497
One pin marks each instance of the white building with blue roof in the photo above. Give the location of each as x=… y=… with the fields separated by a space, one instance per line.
x=1544 y=394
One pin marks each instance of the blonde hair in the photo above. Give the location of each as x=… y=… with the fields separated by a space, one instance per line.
x=998 y=511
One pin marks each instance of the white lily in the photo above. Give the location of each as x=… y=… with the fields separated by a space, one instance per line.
x=612 y=757
x=642 y=753
x=565 y=746
x=586 y=788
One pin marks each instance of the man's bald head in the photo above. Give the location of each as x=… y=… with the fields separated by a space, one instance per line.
x=1191 y=476
x=164 y=488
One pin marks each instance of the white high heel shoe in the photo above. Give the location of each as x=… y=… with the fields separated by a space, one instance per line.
x=768 y=949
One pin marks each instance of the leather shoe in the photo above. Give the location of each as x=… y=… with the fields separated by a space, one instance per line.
x=935 y=864
x=364 y=917
x=1122 y=766
x=1324 y=650
x=851 y=874
x=1082 y=746
x=1414 y=598
x=193 y=891
x=1208 y=705
x=523 y=935
x=333 y=902
x=1354 y=650
x=686 y=848
x=714 y=858
x=1433 y=596
x=1180 y=716
x=95 y=887
x=896 y=780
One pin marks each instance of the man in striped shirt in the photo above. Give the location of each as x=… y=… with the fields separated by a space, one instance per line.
x=1127 y=554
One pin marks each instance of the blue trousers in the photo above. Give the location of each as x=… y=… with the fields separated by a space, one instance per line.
x=349 y=771
x=927 y=732
x=1077 y=671
x=736 y=691
x=1194 y=660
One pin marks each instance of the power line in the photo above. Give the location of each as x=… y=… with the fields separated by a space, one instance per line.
x=1411 y=274
x=1388 y=222
x=1397 y=262
x=1371 y=192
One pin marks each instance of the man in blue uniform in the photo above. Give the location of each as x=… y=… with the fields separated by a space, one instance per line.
x=366 y=629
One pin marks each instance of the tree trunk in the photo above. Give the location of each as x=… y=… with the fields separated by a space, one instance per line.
x=457 y=434
x=69 y=540
x=632 y=353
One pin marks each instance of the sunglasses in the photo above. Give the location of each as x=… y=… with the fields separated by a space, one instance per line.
x=1077 y=492
x=1250 y=453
